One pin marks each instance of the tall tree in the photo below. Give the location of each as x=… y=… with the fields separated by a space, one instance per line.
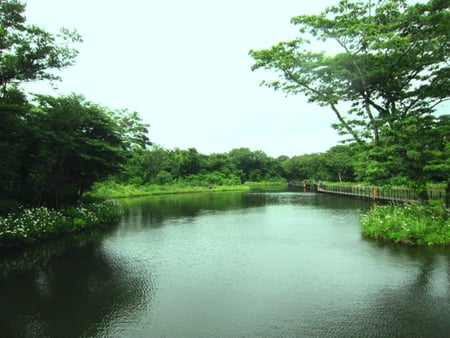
x=392 y=70
x=28 y=52
x=339 y=163
x=307 y=167
x=75 y=143
x=254 y=165
x=14 y=109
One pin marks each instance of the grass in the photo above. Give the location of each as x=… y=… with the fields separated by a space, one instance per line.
x=117 y=190
x=267 y=184
x=28 y=226
x=410 y=224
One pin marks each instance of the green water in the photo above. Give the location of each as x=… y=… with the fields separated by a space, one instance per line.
x=261 y=264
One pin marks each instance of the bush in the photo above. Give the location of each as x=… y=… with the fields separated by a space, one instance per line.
x=106 y=212
x=163 y=177
x=412 y=224
x=136 y=181
x=214 y=178
x=30 y=225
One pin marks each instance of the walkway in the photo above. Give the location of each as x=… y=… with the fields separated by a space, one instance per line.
x=378 y=194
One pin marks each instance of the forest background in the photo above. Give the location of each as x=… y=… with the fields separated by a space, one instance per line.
x=393 y=71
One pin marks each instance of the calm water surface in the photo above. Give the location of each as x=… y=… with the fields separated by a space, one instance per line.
x=274 y=264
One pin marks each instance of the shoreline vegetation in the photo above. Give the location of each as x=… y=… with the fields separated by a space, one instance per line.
x=402 y=223
x=412 y=222
x=409 y=224
x=30 y=226
x=55 y=148
x=406 y=224
x=116 y=190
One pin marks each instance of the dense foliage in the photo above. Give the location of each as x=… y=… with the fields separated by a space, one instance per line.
x=157 y=165
x=58 y=148
x=28 y=52
x=385 y=78
x=28 y=226
x=53 y=148
x=408 y=224
x=384 y=87
x=390 y=73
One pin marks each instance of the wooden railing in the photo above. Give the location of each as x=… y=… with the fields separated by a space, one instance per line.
x=377 y=193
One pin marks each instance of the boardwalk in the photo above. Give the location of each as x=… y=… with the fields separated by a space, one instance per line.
x=378 y=194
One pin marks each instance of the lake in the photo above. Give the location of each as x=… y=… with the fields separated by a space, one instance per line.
x=235 y=264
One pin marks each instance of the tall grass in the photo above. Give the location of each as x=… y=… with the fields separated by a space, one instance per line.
x=112 y=189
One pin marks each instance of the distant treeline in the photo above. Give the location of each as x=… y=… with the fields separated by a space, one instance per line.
x=53 y=149
x=341 y=163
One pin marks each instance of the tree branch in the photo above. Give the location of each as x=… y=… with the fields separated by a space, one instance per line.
x=290 y=76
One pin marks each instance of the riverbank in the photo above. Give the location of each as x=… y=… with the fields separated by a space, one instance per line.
x=401 y=223
x=301 y=250
x=408 y=219
x=116 y=190
x=28 y=226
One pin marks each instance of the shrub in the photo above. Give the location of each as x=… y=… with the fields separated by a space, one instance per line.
x=214 y=178
x=29 y=225
x=106 y=212
x=163 y=177
x=412 y=224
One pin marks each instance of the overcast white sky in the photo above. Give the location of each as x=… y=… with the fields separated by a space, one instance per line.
x=184 y=66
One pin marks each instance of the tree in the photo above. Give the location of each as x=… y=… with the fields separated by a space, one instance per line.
x=74 y=144
x=254 y=165
x=66 y=145
x=145 y=165
x=438 y=141
x=189 y=162
x=391 y=74
x=420 y=153
x=220 y=163
x=29 y=53
x=339 y=162
x=307 y=167
x=13 y=131
x=133 y=131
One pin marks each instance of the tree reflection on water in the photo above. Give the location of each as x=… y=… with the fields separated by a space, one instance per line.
x=67 y=289
x=335 y=283
x=418 y=307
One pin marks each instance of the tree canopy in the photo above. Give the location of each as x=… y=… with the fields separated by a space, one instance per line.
x=389 y=75
x=52 y=148
x=28 y=52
